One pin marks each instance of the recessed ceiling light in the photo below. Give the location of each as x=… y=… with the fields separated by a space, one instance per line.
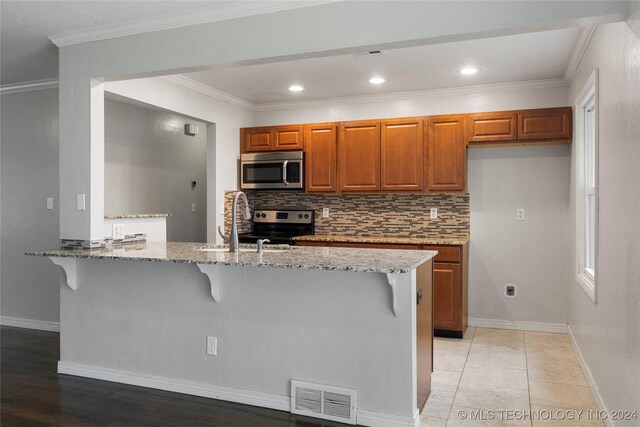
x=467 y=71
x=296 y=88
x=376 y=80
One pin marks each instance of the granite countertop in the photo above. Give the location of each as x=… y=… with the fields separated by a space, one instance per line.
x=383 y=239
x=315 y=258
x=160 y=215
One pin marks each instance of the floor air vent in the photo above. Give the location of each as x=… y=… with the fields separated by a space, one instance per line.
x=323 y=401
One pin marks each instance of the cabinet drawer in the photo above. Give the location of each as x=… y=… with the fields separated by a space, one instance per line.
x=446 y=253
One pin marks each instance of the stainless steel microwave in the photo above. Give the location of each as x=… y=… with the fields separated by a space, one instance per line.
x=281 y=170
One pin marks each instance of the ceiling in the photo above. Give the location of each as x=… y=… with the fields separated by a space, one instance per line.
x=27 y=54
x=530 y=56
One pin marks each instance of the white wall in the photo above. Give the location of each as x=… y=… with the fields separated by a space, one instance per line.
x=532 y=253
x=29 y=286
x=223 y=149
x=149 y=166
x=608 y=333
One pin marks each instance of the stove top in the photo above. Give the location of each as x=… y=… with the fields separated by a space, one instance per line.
x=279 y=226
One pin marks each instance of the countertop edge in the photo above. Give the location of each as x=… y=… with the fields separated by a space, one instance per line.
x=134 y=216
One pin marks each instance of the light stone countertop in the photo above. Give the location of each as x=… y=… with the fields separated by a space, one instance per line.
x=315 y=258
x=123 y=216
x=392 y=240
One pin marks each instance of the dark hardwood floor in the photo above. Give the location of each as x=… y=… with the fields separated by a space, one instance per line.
x=33 y=394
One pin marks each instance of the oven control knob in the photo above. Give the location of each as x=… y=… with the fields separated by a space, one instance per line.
x=264 y=215
x=300 y=216
x=306 y=216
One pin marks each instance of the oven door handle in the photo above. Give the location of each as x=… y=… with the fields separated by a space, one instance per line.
x=284 y=172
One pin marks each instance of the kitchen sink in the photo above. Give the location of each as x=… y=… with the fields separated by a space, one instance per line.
x=242 y=249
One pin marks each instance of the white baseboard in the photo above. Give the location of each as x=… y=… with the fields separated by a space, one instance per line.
x=589 y=377
x=19 y=322
x=377 y=419
x=246 y=397
x=521 y=326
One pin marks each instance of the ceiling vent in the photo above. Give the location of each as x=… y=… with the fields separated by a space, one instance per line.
x=368 y=53
x=323 y=401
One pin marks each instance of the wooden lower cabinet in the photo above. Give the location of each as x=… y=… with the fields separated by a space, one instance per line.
x=450 y=282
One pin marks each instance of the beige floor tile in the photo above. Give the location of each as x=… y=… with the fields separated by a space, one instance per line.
x=439 y=404
x=559 y=374
x=499 y=337
x=497 y=356
x=427 y=421
x=469 y=333
x=551 y=355
x=562 y=417
x=476 y=417
x=451 y=345
x=561 y=395
x=547 y=338
x=448 y=361
x=492 y=398
x=495 y=377
x=445 y=380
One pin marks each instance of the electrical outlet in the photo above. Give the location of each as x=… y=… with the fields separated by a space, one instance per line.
x=520 y=214
x=433 y=213
x=212 y=346
x=193 y=207
x=49 y=203
x=117 y=232
x=80 y=202
x=510 y=290
x=325 y=212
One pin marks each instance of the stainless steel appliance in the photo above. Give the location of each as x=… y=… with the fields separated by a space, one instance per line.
x=282 y=170
x=279 y=226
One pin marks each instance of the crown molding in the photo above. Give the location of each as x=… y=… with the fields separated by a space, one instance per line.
x=196 y=86
x=222 y=12
x=30 y=85
x=578 y=51
x=429 y=93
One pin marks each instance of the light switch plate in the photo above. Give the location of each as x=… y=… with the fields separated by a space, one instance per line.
x=212 y=346
x=520 y=214
x=193 y=207
x=325 y=212
x=80 y=202
x=433 y=213
x=49 y=203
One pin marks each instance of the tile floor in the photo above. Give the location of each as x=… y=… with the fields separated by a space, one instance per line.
x=504 y=370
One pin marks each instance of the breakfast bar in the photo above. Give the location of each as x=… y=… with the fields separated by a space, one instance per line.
x=242 y=326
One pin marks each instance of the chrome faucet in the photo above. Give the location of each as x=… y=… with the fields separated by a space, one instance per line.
x=259 y=245
x=232 y=238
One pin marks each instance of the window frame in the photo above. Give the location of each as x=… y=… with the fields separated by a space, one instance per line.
x=587 y=276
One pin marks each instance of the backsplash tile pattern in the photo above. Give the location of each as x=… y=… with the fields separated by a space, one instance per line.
x=367 y=215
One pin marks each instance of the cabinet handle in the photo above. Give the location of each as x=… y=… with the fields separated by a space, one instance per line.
x=284 y=172
x=418 y=297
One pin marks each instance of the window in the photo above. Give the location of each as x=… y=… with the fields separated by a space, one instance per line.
x=587 y=186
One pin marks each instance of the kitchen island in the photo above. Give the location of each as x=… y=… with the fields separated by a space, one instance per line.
x=357 y=319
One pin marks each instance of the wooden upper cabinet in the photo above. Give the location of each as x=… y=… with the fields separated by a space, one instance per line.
x=320 y=157
x=289 y=137
x=402 y=154
x=258 y=139
x=491 y=127
x=359 y=156
x=545 y=124
x=446 y=163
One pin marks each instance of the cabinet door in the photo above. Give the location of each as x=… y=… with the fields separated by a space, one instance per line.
x=258 y=139
x=491 y=127
x=320 y=157
x=402 y=154
x=289 y=137
x=545 y=124
x=446 y=153
x=359 y=156
x=446 y=296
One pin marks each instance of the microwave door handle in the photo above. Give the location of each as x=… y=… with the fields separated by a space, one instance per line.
x=284 y=172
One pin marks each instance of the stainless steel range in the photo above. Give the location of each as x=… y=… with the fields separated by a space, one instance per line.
x=279 y=226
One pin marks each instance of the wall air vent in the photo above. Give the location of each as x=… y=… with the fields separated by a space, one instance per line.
x=323 y=401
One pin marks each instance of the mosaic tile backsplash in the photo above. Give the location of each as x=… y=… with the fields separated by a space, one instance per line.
x=367 y=215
